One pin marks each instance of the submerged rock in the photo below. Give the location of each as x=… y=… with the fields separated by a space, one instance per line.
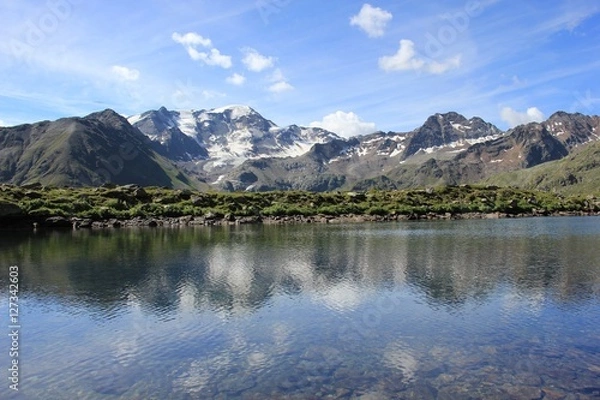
x=57 y=222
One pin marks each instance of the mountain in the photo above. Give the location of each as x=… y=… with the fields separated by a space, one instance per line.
x=99 y=148
x=365 y=161
x=446 y=149
x=578 y=173
x=450 y=130
x=235 y=148
x=225 y=137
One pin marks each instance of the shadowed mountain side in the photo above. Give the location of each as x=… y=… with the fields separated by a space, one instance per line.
x=100 y=148
x=578 y=173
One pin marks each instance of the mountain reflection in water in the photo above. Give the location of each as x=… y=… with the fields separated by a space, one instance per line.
x=400 y=309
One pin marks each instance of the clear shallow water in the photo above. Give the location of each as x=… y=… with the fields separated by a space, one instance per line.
x=442 y=310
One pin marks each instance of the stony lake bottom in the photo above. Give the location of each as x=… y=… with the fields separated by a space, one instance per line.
x=478 y=309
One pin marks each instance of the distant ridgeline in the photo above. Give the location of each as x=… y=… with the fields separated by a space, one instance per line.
x=234 y=148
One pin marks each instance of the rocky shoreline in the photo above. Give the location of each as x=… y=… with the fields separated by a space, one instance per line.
x=231 y=220
x=133 y=206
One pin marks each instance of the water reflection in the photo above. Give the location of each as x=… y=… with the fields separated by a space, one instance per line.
x=237 y=270
x=476 y=309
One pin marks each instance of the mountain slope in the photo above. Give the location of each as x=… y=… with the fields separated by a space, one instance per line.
x=578 y=173
x=449 y=130
x=366 y=161
x=235 y=148
x=99 y=148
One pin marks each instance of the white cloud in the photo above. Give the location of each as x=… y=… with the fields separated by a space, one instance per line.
x=236 y=79
x=372 y=20
x=280 y=87
x=279 y=82
x=345 y=124
x=255 y=61
x=124 y=73
x=214 y=57
x=2 y=123
x=439 y=68
x=403 y=60
x=277 y=75
x=191 y=41
x=406 y=59
x=514 y=118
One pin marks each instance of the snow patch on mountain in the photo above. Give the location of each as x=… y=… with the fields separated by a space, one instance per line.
x=236 y=110
x=231 y=134
x=460 y=145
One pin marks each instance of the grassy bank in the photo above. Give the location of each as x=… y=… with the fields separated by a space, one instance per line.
x=127 y=202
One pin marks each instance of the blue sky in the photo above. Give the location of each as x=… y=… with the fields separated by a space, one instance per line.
x=350 y=66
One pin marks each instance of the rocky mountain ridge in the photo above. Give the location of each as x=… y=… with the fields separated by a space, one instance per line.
x=226 y=136
x=235 y=148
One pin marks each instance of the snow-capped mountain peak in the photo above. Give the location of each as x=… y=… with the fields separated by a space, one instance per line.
x=230 y=135
x=234 y=111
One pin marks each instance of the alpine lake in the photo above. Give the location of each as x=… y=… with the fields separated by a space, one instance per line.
x=473 y=309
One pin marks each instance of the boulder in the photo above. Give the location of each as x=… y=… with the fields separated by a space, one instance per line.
x=130 y=187
x=57 y=222
x=141 y=194
x=196 y=201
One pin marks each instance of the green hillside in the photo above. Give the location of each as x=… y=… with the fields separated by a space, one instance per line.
x=576 y=174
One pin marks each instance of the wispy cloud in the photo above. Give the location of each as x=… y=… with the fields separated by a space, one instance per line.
x=568 y=19
x=124 y=73
x=406 y=59
x=372 y=20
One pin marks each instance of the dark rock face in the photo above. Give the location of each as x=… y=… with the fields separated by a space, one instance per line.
x=180 y=147
x=326 y=151
x=9 y=209
x=573 y=129
x=248 y=178
x=542 y=149
x=524 y=146
x=168 y=140
x=444 y=129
